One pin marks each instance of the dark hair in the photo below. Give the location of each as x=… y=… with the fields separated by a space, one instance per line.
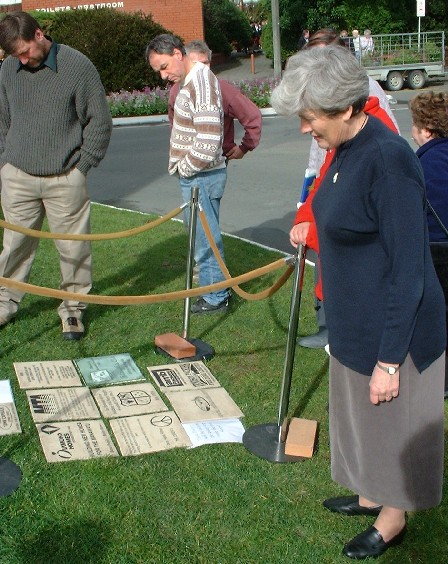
x=16 y=26
x=325 y=36
x=164 y=44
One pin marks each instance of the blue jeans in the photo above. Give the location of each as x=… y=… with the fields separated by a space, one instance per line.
x=211 y=186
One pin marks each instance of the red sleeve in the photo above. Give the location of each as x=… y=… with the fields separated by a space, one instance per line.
x=237 y=106
x=373 y=108
x=305 y=213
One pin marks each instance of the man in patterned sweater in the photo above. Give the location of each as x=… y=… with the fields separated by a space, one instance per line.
x=196 y=152
x=55 y=125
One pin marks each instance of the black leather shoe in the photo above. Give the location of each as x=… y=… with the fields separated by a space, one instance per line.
x=370 y=544
x=350 y=506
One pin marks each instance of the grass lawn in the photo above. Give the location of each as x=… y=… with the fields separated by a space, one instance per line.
x=216 y=504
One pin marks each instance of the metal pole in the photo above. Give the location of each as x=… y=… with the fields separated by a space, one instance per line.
x=268 y=441
x=190 y=259
x=291 y=343
x=276 y=39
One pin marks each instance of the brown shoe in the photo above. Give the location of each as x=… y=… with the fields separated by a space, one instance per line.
x=72 y=329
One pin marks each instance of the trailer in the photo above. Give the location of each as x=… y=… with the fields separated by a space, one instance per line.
x=409 y=59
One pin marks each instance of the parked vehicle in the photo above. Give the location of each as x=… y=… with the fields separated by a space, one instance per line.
x=409 y=59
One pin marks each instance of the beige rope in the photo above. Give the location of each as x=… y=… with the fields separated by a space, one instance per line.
x=132 y=300
x=90 y=236
x=242 y=293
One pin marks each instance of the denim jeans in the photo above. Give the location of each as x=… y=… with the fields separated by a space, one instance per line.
x=211 y=186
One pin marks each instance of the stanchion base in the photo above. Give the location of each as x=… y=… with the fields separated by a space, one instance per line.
x=262 y=440
x=10 y=476
x=204 y=351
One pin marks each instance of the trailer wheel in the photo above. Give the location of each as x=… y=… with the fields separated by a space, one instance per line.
x=394 y=81
x=416 y=79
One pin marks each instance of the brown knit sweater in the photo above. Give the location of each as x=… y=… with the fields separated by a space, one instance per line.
x=197 y=134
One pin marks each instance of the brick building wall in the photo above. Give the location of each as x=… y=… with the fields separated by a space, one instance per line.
x=183 y=20
x=10 y=7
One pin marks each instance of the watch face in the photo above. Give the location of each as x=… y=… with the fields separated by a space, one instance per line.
x=392 y=370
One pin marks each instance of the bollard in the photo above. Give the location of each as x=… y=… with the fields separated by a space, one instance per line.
x=252 y=63
x=183 y=348
x=268 y=441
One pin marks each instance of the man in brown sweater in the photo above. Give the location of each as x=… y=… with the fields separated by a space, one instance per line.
x=196 y=152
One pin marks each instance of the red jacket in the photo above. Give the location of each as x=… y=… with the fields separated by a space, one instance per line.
x=305 y=212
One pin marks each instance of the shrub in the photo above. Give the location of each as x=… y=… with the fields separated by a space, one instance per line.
x=225 y=24
x=287 y=48
x=114 y=41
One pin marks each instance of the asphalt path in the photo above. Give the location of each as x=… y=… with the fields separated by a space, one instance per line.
x=262 y=189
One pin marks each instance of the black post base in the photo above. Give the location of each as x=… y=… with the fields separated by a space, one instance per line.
x=10 y=477
x=262 y=440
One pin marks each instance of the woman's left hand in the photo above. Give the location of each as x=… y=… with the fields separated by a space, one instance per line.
x=383 y=386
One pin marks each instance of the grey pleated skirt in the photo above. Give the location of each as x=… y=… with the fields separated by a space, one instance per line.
x=391 y=453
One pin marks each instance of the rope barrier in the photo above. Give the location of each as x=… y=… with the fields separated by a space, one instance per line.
x=92 y=236
x=242 y=293
x=232 y=282
x=133 y=300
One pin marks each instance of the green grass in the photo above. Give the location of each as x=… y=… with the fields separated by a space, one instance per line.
x=216 y=504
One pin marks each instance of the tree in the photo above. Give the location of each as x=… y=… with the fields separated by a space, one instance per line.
x=382 y=16
x=117 y=52
x=225 y=24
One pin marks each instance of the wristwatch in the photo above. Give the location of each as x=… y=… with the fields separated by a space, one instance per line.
x=391 y=370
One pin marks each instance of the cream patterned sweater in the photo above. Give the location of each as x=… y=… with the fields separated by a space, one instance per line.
x=197 y=133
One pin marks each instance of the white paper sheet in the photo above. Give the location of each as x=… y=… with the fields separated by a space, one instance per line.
x=6 y=392
x=219 y=431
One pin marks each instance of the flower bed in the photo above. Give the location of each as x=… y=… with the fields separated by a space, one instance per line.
x=149 y=101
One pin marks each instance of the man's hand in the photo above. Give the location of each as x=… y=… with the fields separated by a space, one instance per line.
x=299 y=233
x=235 y=153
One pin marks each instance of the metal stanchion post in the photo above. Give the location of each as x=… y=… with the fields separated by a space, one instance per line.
x=190 y=259
x=268 y=440
x=183 y=349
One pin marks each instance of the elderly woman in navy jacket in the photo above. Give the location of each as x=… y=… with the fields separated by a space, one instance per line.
x=384 y=303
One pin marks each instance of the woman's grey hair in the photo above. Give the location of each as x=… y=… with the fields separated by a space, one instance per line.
x=324 y=80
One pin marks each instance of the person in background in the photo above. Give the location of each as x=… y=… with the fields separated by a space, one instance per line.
x=316 y=159
x=303 y=39
x=196 y=153
x=347 y=40
x=367 y=43
x=2 y=57
x=430 y=132
x=356 y=42
x=383 y=300
x=55 y=124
